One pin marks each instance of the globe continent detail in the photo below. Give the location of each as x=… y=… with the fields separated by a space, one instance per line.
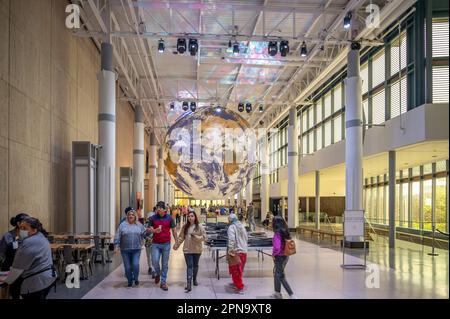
x=203 y=158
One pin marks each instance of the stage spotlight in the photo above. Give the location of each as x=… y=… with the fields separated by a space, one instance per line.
x=241 y=107
x=261 y=108
x=272 y=48
x=185 y=106
x=348 y=20
x=218 y=109
x=303 y=50
x=193 y=106
x=248 y=107
x=172 y=106
x=284 y=48
x=193 y=46
x=161 y=46
x=181 y=46
x=236 y=47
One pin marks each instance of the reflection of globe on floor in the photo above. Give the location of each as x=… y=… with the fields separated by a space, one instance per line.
x=213 y=163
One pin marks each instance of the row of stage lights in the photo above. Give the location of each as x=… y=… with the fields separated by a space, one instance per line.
x=272 y=48
x=192 y=47
x=192 y=106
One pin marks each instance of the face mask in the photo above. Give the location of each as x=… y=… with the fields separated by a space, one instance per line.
x=23 y=234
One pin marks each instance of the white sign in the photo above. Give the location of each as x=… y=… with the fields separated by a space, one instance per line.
x=353 y=223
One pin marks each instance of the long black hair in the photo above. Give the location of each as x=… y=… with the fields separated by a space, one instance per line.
x=14 y=221
x=188 y=224
x=279 y=226
x=35 y=224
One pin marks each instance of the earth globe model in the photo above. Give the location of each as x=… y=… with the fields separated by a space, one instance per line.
x=208 y=153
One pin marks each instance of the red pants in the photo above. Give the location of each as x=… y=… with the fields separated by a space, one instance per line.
x=237 y=271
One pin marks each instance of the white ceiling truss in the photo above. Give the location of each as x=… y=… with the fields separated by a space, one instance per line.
x=215 y=75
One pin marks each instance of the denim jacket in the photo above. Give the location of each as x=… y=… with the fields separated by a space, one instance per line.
x=130 y=236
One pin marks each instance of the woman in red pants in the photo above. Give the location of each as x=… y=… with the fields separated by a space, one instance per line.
x=237 y=246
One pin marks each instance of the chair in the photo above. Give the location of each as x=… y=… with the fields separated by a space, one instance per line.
x=68 y=257
x=98 y=250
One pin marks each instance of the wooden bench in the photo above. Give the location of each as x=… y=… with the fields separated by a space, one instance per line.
x=321 y=233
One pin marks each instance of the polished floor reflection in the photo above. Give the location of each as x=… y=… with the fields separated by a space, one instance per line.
x=314 y=272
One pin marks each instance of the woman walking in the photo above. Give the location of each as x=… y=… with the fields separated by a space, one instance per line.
x=192 y=234
x=237 y=250
x=281 y=234
x=130 y=238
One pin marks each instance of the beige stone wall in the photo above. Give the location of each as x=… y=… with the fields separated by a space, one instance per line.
x=48 y=98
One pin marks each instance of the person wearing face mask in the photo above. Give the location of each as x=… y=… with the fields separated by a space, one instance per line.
x=9 y=244
x=192 y=234
x=33 y=267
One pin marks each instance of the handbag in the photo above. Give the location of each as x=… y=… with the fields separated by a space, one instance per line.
x=289 y=247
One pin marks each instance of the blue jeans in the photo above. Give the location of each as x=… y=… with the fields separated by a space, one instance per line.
x=158 y=251
x=192 y=265
x=131 y=264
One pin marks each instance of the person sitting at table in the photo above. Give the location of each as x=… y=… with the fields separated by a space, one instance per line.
x=266 y=222
x=9 y=244
x=130 y=238
x=32 y=268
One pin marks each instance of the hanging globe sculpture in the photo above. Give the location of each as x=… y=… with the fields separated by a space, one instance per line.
x=209 y=154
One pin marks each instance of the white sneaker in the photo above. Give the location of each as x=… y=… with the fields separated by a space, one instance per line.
x=239 y=292
x=293 y=296
x=276 y=295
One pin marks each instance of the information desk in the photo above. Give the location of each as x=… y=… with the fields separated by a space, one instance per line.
x=216 y=257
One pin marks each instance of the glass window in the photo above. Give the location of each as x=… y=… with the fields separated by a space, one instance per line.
x=427 y=199
x=337 y=97
x=378 y=64
x=441 y=166
x=327 y=105
x=440 y=37
x=396 y=57
x=311 y=142
x=427 y=169
x=310 y=117
x=405 y=202
x=416 y=171
x=415 y=205
x=319 y=137
x=366 y=111
x=304 y=145
x=304 y=122
x=365 y=78
x=327 y=133
x=337 y=128
x=378 y=108
x=441 y=200
x=386 y=204
x=440 y=84
x=398 y=99
x=397 y=201
x=319 y=111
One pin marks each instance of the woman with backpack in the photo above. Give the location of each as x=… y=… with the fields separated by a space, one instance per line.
x=283 y=246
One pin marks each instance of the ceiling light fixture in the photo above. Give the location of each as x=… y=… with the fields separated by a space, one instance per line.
x=284 y=48
x=185 y=106
x=248 y=107
x=303 y=50
x=193 y=106
x=181 y=46
x=272 y=48
x=172 y=106
x=348 y=20
x=241 y=107
x=161 y=46
x=236 y=47
x=193 y=46
x=261 y=108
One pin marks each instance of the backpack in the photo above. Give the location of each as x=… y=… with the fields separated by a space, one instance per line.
x=289 y=247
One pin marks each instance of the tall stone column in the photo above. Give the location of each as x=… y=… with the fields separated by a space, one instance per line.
x=138 y=159
x=160 y=176
x=107 y=140
x=292 y=169
x=152 y=183
x=353 y=135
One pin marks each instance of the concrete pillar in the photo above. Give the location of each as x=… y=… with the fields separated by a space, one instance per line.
x=292 y=169
x=152 y=183
x=166 y=187
x=392 y=163
x=317 y=173
x=138 y=159
x=160 y=176
x=107 y=140
x=265 y=171
x=353 y=140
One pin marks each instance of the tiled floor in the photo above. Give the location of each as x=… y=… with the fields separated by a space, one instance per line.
x=314 y=272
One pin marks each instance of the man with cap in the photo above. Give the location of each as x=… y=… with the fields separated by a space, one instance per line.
x=161 y=224
x=237 y=245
